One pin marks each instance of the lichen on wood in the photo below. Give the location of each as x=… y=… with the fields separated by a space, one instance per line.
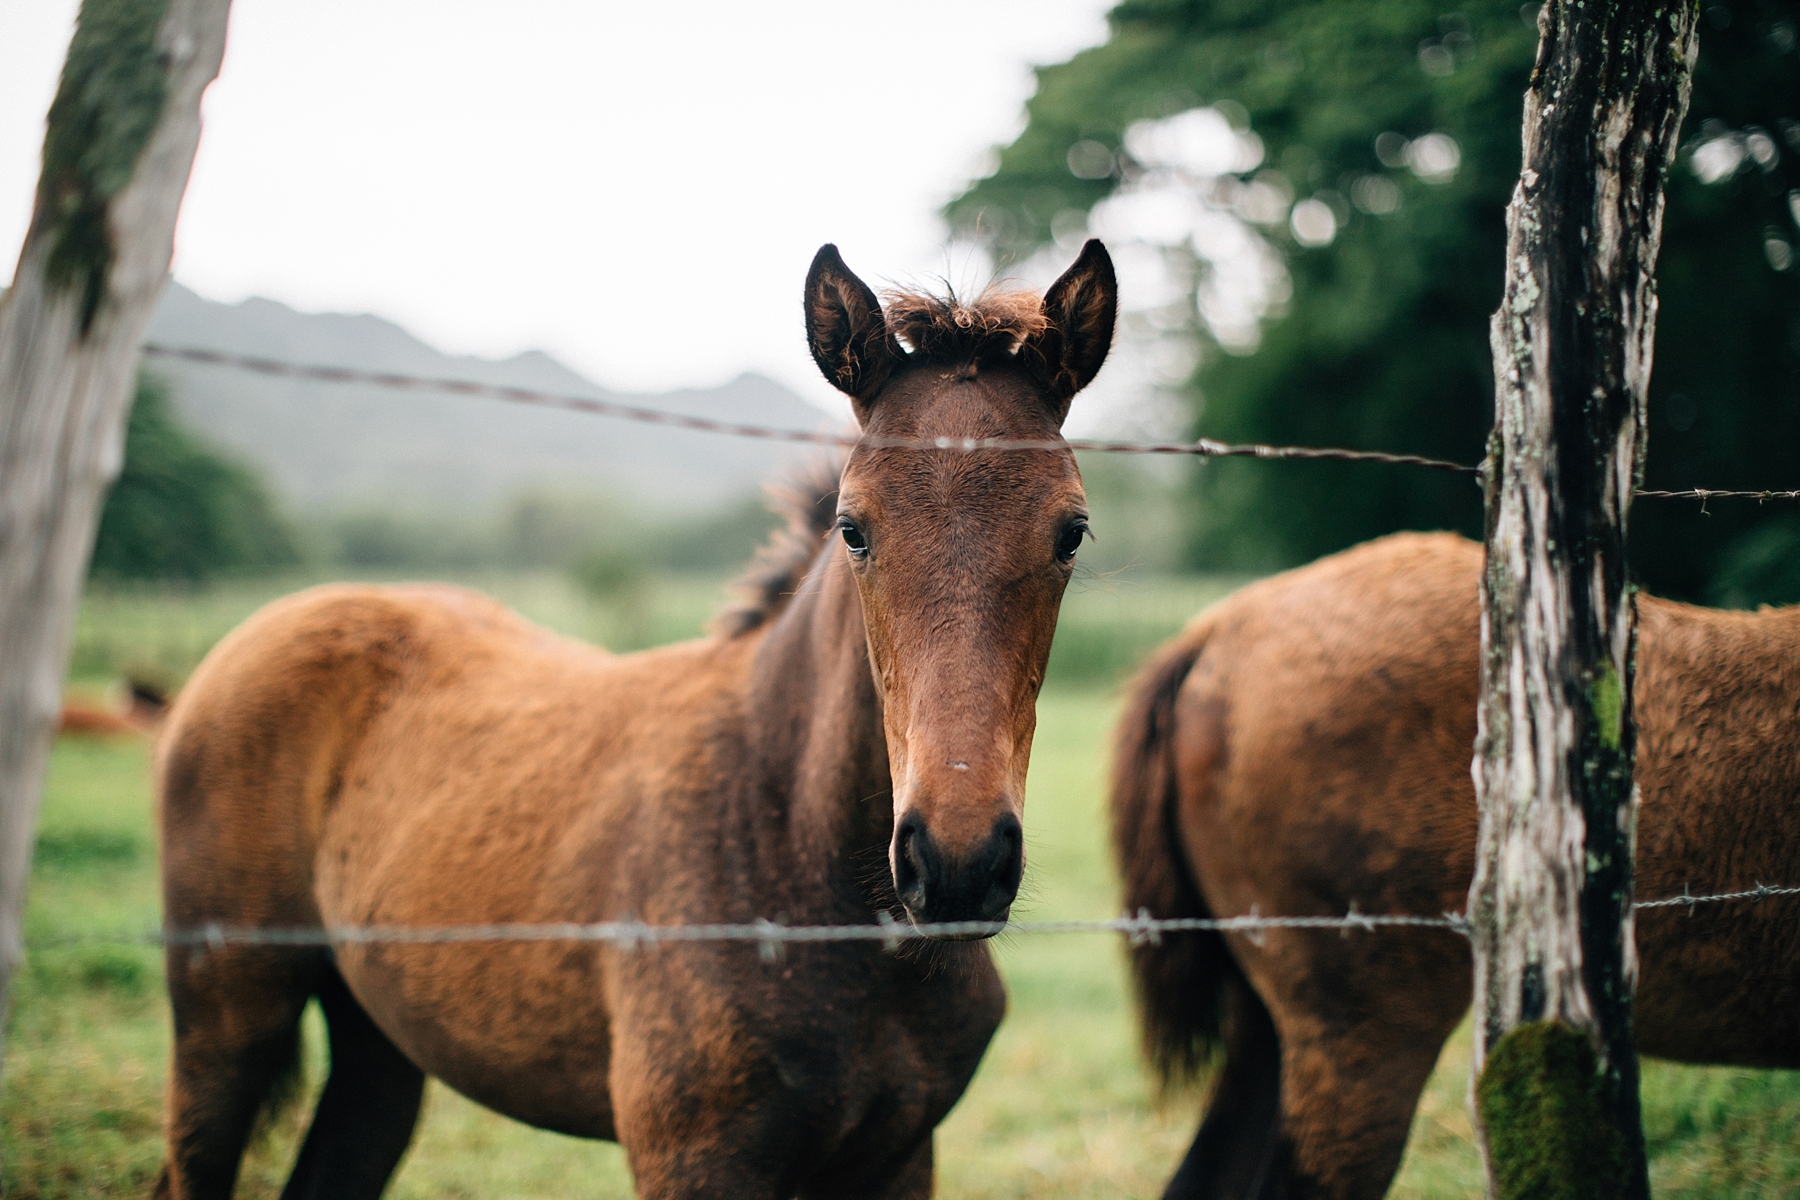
x=1606 y=696
x=107 y=105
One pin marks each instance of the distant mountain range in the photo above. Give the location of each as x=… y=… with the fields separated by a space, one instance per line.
x=333 y=445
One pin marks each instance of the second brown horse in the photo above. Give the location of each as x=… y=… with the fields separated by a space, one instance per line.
x=853 y=743
x=1303 y=748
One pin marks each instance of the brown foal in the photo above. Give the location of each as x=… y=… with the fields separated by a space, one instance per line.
x=417 y=755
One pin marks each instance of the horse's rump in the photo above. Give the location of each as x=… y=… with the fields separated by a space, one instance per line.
x=1304 y=748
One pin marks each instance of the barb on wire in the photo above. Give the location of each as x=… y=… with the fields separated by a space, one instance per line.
x=1200 y=447
x=769 y=936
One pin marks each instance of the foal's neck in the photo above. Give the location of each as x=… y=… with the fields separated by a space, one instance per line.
x=820 y=793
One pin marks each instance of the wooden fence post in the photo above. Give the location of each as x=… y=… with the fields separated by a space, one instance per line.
x=118 y=148
x=1556 y=1081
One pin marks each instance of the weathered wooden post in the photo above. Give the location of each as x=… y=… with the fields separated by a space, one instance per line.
x=117 y=152
x=1556 y=1090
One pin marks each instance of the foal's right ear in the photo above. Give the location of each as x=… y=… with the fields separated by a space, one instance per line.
x=1080 y=310
x=846 y=332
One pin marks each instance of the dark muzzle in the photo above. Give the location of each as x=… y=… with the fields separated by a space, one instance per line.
x=978 y=886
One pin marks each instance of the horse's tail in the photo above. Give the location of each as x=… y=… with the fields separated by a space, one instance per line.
x=1179 y=978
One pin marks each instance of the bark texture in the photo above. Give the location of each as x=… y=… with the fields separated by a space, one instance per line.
x=117 y=152
x=1551 y=899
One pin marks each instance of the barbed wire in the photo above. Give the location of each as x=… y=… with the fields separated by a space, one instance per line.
x=1142 y=927
x=1761 y=891
x=1705 y=494
x=628 y=934
x=1199 y=447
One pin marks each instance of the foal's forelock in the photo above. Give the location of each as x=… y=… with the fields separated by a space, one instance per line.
x=948 y=329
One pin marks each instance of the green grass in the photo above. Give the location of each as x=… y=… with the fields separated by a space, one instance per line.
x=1109 y=622
x=1060 y=1108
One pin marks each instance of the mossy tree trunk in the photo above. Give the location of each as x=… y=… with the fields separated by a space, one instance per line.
x=1556 y=1068
x=118 y=148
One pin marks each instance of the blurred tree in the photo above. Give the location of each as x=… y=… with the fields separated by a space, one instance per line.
x=178 y=510
x=617 y=579
x=610 y=576
x=1762 y=568
x=724 y=537
x=392 y=537
x=1400 y=119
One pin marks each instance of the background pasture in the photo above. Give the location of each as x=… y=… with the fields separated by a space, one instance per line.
x=1059 y=1109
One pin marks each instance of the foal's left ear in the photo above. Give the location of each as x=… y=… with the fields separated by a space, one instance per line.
x=846 y=332
x=1080 y=310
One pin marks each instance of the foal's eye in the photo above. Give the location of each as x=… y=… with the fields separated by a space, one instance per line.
x=1070 y=541
x=853 y=538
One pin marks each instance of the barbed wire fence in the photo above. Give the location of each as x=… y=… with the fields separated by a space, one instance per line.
x=1202 y=447
x=771 y=936
x=1139 y=929
x=1199 y=447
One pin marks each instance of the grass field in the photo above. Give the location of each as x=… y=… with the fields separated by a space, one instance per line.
x=1060 y=1108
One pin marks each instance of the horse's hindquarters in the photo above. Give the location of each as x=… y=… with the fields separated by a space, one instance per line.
x=1324 y=739
x=1714 y=988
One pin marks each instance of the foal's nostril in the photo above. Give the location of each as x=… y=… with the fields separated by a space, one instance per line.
x=912 y=862
x=1006 y=866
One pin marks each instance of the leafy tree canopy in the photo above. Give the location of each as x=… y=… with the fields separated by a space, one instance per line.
x=1389 y=139
x=180 y=511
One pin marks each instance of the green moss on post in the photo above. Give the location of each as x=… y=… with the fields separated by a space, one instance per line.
x=1607 y=696
x=1543 y=1103
x=106 y=107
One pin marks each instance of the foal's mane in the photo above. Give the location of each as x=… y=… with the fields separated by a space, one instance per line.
x=947 y=328
x=808 y=500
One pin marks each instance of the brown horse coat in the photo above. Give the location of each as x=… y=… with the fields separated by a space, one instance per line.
x=1304 y=746
x=851 y=745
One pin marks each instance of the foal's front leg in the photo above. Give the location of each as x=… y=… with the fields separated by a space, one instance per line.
x=702 y=1158
x=695 y=1134
x=681 y=1151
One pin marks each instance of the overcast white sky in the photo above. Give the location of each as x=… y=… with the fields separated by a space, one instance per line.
x=636 y=188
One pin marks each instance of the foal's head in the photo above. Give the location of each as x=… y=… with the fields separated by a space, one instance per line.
x=961 y=557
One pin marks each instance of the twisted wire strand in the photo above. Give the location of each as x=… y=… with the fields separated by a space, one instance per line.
x=627 y=934
x=1761 y=891
x=1705 y=494
x=1199 y=447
